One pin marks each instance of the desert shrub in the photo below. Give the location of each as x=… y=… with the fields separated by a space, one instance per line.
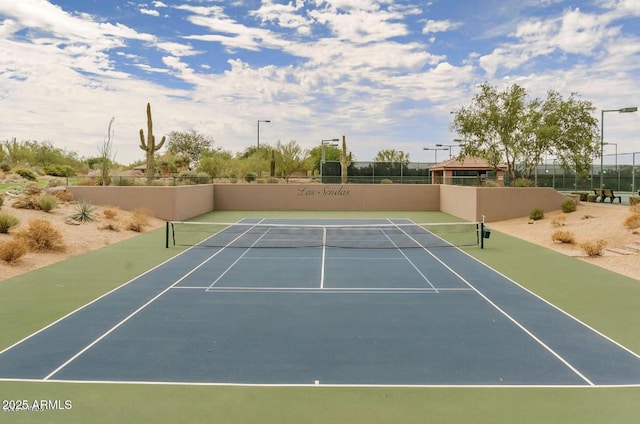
x=632 y=221
x=55 y=182
x=11 y=251
x=386 y=181
x=142 y=215
x=99 y=180
x=7 y=222
x=139 y=219
x=31 y=189
x=250 y=177
x=27 y=174
x=110 y=226
x=523 y=182
x=558 y=221
x=47 y=203
x=591 y=197
x=583 y=195
x=593 y=247
x=135 y=226
x=110 y=212
x=124 y=181
x=561 y=236
x=193 y=177
x=634 y=200
x=1 y=200
x=40 y=236
x=84 y=212
x=536 y=214
x=86 y=182
x=64 y=196
x=568 y=205
x=5 y=167
x=59 y=170
x=27 y=202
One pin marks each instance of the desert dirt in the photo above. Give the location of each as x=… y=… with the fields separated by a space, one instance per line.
x=79 y=237
x=590 y=221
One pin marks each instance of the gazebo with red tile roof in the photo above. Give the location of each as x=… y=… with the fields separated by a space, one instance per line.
x=469 y=170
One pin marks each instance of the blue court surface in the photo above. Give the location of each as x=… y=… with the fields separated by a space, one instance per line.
x=268 y=306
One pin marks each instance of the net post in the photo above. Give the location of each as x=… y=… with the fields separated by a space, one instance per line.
x=482 y=235
x=166 y=236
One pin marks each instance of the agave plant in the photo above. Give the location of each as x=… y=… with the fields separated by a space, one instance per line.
x=84 y=212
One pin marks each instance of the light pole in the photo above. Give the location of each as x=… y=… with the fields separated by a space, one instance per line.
x=616 y=146
x=331 y=142
x=446 y=147
x=435 y=149
x=259 y=130
x=435 y=157
x=622 y=110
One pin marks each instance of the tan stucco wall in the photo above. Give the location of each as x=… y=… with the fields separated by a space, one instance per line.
x=169 y=203
x=459 y=201
x=468 y=203
x=351 y=197
x=512 y=202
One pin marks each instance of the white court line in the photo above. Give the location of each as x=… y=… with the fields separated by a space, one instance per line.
x=320 y=290
x=239 y=258
x=128 y=317
x=604 y=336
x=329 y=385
x=406 y=257
x=324 y=256
x=96 y=300
x=510 y=318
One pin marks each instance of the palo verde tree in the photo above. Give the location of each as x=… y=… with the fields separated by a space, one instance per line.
x=289 y=158
x=506 y=126
x=391 y=155
x=191 y=145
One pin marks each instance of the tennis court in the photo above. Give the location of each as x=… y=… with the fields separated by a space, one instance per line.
x=328 y=302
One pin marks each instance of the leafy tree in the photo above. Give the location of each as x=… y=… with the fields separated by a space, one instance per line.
x=290 y=158
x=252 y=160
x=504 y=126
x=189 y=144
x=391 y=155
x=216 y=163
x=331 y=153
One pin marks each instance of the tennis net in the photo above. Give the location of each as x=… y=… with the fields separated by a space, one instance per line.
x=358 y=236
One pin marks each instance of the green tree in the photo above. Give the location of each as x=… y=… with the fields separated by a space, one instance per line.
x=331 y=153
x=290 y=157
x=505 y=126
x=189 y=144
x=216 y=163
x=392 y=155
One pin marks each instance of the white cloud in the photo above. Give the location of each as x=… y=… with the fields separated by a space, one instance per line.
x=438 y=26
x=150 y=12
x=284 y=15
x=61 y=77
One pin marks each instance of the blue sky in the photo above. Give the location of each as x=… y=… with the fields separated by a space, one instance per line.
x=386 y=74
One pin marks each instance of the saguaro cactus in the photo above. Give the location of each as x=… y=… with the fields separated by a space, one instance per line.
x=345 y=161
x=149 y=145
